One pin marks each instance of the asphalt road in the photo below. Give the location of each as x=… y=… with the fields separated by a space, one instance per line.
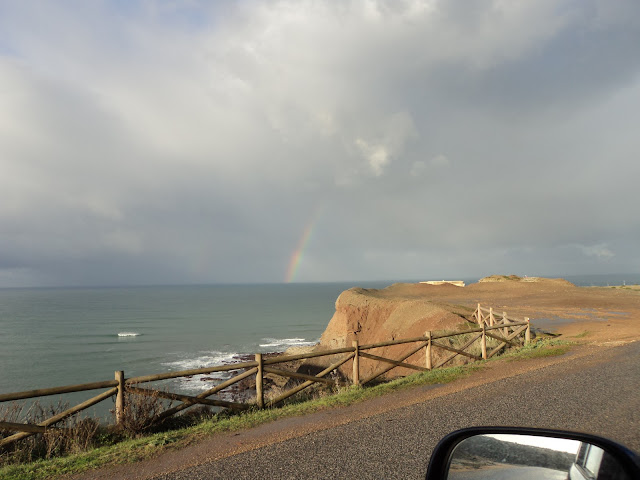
x=599 y=394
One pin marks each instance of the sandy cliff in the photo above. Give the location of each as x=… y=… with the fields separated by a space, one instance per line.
x=396 y=312
x=408 y=310
x=399 y=311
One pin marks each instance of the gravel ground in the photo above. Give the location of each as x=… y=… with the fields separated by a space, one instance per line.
x=597 y=393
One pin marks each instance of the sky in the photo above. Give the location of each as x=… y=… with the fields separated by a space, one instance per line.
x=165 y=142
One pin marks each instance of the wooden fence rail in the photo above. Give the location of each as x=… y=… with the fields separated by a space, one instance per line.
x=506 y=331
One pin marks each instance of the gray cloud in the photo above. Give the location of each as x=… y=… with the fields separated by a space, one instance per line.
x=161 y=143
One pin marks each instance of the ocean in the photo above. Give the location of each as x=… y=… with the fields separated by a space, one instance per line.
x=63 y=336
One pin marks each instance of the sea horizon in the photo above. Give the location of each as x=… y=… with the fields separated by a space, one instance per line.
x=597 y=279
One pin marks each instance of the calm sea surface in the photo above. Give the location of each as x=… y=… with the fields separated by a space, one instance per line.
x=53 y=337
x=64 y=336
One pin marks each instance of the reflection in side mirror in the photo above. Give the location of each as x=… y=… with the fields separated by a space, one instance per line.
x=508 y=456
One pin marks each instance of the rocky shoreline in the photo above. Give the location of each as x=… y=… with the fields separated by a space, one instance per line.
x=244 y=390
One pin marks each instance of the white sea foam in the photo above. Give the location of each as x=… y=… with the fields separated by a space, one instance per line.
x=128 y=334
x=283 y=343
x=201 y=382
x=202 y=360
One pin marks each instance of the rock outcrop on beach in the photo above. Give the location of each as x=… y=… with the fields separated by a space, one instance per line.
x=396 y=312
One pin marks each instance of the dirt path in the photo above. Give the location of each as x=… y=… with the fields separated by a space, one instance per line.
x=604 y=313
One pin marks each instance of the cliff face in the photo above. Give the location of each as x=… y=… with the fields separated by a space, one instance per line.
x=396 y=312
x=370 y=317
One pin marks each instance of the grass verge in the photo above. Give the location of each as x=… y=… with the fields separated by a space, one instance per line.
x=132 y=450
x=548 y=347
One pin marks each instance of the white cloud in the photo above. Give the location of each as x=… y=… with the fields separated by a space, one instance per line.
x=377 y=156
x=389 y=143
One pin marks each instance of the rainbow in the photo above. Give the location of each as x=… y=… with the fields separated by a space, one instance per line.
x=296 y=257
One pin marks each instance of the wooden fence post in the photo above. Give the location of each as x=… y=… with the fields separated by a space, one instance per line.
x=492 y=320
x=527 y=333
x=428 y=350
x=505 y=320
x=119 y=376
x=479 y=315
x=259 y=390
x=483 y=342
x=356 y=363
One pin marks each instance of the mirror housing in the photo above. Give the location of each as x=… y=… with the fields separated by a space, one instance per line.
x=439 y=465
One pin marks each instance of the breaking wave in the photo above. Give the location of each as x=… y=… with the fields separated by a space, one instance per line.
x=201 y=382
x=284 y=343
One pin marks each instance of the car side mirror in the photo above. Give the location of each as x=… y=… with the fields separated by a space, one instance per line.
x=526 y=453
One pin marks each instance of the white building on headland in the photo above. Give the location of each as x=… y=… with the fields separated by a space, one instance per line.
x=457 y=283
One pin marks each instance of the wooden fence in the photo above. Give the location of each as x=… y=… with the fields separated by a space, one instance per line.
x=506 y=331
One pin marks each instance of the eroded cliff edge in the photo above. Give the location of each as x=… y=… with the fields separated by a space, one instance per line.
x=396 y=312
